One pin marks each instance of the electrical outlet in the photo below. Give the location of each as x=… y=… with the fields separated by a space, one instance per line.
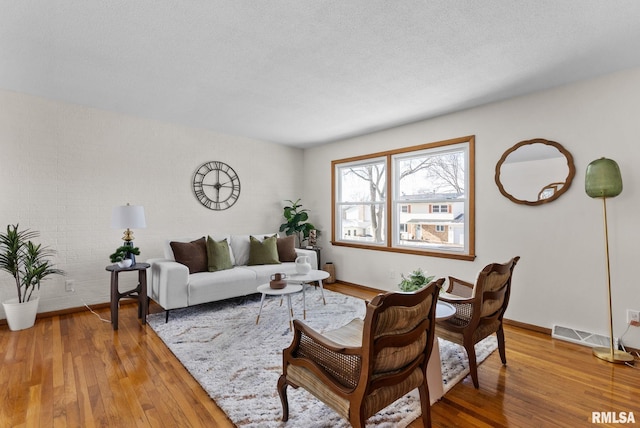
x=392 y=274
x=633 y=317
x=69 y=285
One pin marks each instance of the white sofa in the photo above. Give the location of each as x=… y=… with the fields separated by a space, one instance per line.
x=172 y=286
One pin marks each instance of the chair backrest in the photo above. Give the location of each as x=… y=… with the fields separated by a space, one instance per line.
x=398 y=334
x=493 y=288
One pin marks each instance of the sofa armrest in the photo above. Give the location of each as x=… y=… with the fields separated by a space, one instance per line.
x=169 y=283
x=313 y=257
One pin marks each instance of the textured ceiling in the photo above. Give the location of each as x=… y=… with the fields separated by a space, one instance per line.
x=305 y=72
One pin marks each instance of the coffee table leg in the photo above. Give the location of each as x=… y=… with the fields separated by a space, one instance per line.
x=322 y=292
x=260 y=312
x=290 y=312
x=304 y=303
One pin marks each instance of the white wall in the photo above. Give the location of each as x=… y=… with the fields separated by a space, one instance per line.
x=561 y=275
x=63 y=167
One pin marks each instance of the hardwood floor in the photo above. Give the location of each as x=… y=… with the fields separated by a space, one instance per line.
x=74 y=370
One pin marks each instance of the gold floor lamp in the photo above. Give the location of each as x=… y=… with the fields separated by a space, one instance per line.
x=603 y=180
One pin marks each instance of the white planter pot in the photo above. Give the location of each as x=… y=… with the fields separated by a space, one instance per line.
x=21 y=316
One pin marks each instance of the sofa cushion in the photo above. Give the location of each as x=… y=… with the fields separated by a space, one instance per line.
x=239 y=245
x=212 y=286
x=263 y=253
x=218 y=255
x=286 y=248
x=191 y=254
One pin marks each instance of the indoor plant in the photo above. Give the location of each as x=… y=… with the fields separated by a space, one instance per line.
x=122 y=253
x=297 y=222
x=415 y=280
x=28 y=263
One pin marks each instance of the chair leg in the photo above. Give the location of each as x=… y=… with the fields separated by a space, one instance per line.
x=501 y=347
x=282 y=391
x=473 y=365
x=425 y=404
x=356 y=418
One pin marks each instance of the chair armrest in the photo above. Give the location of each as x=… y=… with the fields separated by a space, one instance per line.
x=313 y=257
x=169 y=283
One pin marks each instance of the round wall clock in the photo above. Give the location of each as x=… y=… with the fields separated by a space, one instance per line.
x=216 y=185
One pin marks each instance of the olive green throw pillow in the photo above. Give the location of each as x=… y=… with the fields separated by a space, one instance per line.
x=263 y=253
x=218 y=255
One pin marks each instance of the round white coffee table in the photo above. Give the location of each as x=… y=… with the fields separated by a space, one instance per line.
x=286 y=291
x=302 y=279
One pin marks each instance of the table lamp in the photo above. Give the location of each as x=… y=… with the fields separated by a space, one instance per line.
x=603 y=180
x=128 y=217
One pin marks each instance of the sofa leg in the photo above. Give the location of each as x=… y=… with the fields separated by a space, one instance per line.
x=166 y=316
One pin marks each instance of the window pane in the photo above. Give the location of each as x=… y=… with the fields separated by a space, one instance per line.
x=431 y=176
x=362 y=223
x=363 y=182
x=362 y=191
x=431 y=199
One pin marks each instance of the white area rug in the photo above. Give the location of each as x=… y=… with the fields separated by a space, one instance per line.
x=238 y=362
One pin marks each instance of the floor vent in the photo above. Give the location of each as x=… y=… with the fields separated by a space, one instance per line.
x=581 y=337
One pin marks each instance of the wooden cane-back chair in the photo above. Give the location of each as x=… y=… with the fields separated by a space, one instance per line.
x=364 y=366
x=479 y=310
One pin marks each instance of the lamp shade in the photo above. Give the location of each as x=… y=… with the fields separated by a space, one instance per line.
x=603 y=179
x=128 y=217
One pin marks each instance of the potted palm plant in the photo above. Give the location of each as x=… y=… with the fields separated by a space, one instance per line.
x=28 y=263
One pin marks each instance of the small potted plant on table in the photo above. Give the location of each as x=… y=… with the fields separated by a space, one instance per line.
x=122 y=255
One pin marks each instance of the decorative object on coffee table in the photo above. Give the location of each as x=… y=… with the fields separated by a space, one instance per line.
x=414 y=281
x=278 y=281
x=303 y=266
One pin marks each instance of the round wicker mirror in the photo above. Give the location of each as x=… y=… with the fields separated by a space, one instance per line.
x=535 y=172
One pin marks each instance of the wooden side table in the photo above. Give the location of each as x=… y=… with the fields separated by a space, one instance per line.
x=139 y=293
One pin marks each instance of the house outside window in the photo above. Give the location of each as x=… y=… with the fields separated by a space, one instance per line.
x=423 y=195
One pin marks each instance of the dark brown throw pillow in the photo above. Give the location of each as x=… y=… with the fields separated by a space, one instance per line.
x=286 y=248
x=191 y=254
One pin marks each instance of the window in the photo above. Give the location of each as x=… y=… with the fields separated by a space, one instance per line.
x=415 y=200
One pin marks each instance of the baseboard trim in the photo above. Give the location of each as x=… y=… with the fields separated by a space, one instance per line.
x=68 y=311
